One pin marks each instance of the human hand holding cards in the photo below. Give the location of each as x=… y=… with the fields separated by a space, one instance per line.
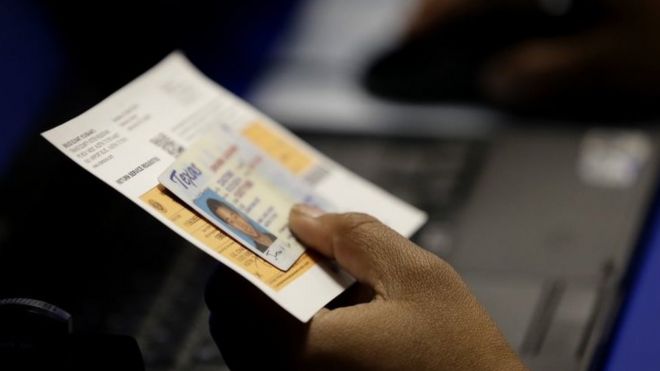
x=224 y=177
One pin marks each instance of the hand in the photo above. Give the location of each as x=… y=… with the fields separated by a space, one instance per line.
x=616 y=58
x=420 y=315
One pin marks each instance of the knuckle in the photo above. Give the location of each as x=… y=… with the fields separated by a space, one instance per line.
x=358 y=231
x=429 y=264
x=357 y=225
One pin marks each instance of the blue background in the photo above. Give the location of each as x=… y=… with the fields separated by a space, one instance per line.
x=635 y=344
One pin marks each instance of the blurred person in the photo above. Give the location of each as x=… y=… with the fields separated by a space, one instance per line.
x=614 y=54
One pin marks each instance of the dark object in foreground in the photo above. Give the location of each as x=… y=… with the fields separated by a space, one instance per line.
x=37 y=335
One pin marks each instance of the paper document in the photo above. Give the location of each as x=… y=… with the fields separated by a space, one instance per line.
x=229 y=177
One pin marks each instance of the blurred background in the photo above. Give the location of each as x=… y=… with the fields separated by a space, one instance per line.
x=526 y=129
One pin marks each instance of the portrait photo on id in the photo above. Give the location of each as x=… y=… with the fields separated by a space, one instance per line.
x=238 y=222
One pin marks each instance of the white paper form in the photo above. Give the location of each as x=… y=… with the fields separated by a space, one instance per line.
x=134 y=135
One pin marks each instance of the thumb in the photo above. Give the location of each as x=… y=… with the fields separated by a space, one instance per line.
x=367 y=249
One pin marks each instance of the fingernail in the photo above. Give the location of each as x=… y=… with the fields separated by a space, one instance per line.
x=308 y=211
